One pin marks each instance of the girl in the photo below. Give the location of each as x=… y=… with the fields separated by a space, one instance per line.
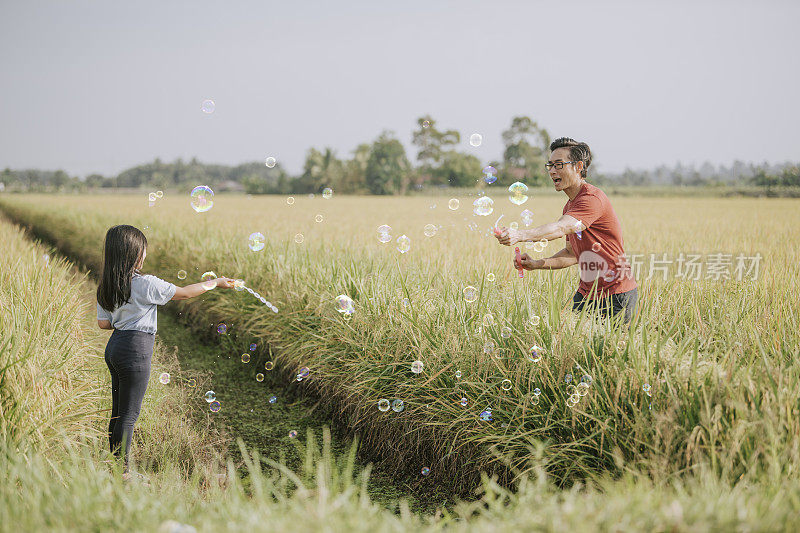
x=126 y=303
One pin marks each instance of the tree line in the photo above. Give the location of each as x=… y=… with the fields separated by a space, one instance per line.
x=383 y=167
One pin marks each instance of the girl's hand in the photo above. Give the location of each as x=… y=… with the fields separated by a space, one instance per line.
x=526 y=262
x=508 y=237
x=224 y=283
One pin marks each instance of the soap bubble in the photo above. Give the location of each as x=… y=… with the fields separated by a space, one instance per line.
x=398 y=406
x=430 y=230
x=483 y=206
x=403 y=244
x=270 y=162
x=583 y=389
x=505 y=332
x=208 y=106
x=191 y=383
x=181 y=274
x=245 y=358
x=488 y=320
x=489 y=174
x=453 y=204
x=151 y=197
x=384 y=237
x=505 y=384
x=238 y=285
x=292 y=434
x=202 y=198
x=345 y=304
x=299 y=238
x=586 y=378
x=272 y=399
x=253 y=347
x=426 y=123
x=490 y=276
x=327 y=193
x=535 y=320
x=463 y=402
x=596 y=247
x=416 y=367
x=383 y=405
x=214 y=406
x=164 y=378
x=486 y=415
x=269 y=365
x=518 y=193
x=568 y=378
x=159 y=194
x=470 y=294
x=489 y=347
x=537 y=391
x=527 y=217
x=425 y=470
x=256 y=241
x=304 y=372
x=535 y=354
x=259 y=377
x=319 y=218
x=458 y=374
x=210 y=396
x=290 y=200
x=222 y=328
x=646 y=388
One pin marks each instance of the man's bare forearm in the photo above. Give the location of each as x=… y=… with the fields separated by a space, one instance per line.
x=549 y=231
x=562 y=259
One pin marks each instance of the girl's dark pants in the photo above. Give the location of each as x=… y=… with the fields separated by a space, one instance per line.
x=613 y=304
x=128 y=355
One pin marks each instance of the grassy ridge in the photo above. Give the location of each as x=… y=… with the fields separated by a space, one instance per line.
x=720 y=357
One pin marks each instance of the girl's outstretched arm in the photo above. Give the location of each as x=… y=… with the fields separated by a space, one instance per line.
x=196 y=289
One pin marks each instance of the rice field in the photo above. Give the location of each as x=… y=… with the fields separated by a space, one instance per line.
x=702 y=392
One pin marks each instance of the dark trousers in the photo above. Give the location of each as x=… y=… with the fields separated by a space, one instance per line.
x=128 y=355
x=611 y=305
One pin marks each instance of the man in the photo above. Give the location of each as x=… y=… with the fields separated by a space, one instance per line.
x=593 y=234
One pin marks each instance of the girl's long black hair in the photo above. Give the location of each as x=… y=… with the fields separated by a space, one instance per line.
x=123 y=249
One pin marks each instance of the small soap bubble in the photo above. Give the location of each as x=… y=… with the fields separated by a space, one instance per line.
x=214 y=406
x=290 y=200
x=209 y=280
x=489 y=174
x=463 y=402
x=222 y=328
x=486 y=415
x=273 y=399
x=505 y=384
x=202 y=198
x=259 y=377
x=256 y=241
x=458 y=374
x=475 y=139
x=403 y=244
x=646 y=388
x=181 y=274
x=397 y=406
x=489 y=347
x=518 y=193
x=253 y=347
x=470 y=294
x=270 y=162
x=426 y=123
x=208 y=106
x=527 y=217
x=483 y=206
x=383 y=405
x=586 y=378
x=535 y=354
x=534 y=399
x=596 y=247
x=304 y=372
x=292 y=434
x=299 y=238
x=191 y=383
x=345 y=304
x=488 y=320
x=537 y=391
x=151 y=197
x=319 y=218
x=430 y=230
x=406 y=303
x=416 y=367
x=572 y=390
x=513 y=226
x=490 y=276
x=425 y=471
x=505 y=332
x=535 y=320
x=583 y=389
x=269 y=365
x=210 y=396
x=453 y=204
x=327 y=193
x=568 y=378
x=245 y=358
x=238 y=285
x=164 y=378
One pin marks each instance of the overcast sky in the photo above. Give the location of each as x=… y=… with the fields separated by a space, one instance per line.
x=101 y=86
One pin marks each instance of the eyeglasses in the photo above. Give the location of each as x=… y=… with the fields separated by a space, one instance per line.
x=559 y=165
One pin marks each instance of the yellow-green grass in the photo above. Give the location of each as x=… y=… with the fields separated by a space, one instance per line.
x=720 y=356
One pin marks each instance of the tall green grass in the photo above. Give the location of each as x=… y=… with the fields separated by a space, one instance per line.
x=720 y=357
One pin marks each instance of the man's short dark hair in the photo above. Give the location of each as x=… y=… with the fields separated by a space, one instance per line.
x=577 y=151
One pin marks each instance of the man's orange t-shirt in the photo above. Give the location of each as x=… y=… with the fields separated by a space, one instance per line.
x=606 y=263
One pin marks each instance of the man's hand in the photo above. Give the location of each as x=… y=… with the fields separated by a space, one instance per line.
x=526 y=262
x=224 y=283
x=508 y=237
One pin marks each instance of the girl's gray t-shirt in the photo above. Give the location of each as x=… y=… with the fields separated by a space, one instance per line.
x=139 y=312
